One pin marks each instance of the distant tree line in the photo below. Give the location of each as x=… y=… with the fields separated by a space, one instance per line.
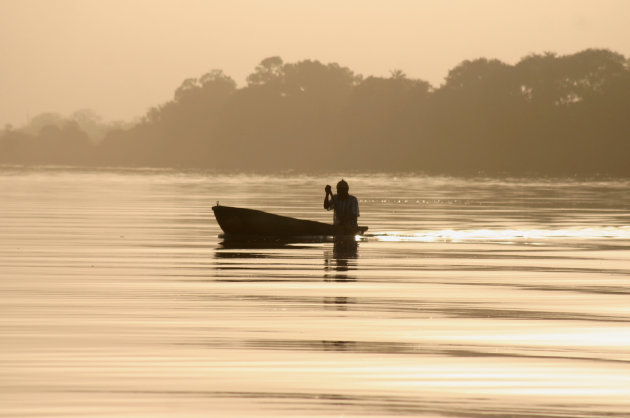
x=545 y=115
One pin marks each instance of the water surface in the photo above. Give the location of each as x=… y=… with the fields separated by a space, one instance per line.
x=467 y=298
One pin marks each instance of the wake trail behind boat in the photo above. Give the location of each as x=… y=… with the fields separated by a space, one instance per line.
x=499 y=235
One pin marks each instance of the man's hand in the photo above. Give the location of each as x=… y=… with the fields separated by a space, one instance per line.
x=328 y=189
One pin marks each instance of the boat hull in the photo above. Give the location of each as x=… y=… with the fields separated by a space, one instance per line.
x=251 y=222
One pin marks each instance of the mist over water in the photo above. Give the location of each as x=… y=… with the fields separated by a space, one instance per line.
x=467 y=297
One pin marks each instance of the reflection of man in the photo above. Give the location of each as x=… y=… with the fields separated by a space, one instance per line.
x=339 y=263
x=345 y=205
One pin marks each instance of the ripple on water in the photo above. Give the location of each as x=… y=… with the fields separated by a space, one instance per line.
x=468 y=298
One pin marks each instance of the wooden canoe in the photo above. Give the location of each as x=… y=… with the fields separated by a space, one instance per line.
x=251 y=222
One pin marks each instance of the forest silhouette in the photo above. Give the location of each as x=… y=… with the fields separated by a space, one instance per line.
x=545 y=115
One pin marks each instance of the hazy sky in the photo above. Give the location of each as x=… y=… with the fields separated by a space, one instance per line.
x=120 y=57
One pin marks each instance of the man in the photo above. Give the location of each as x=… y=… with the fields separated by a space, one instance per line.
x=345 y=205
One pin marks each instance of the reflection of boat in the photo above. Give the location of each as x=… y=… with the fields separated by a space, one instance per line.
x=250 y=222
x=343 y=245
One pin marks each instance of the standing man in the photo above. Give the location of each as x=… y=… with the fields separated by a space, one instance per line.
x=345 y=205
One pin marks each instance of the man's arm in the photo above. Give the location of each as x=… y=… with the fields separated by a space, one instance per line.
x=351 y=215
x=327 y=200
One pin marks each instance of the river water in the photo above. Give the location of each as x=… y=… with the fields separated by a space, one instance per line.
x=467 y=298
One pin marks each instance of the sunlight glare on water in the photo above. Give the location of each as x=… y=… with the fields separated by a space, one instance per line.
x=507 y=235
x=466 y=298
